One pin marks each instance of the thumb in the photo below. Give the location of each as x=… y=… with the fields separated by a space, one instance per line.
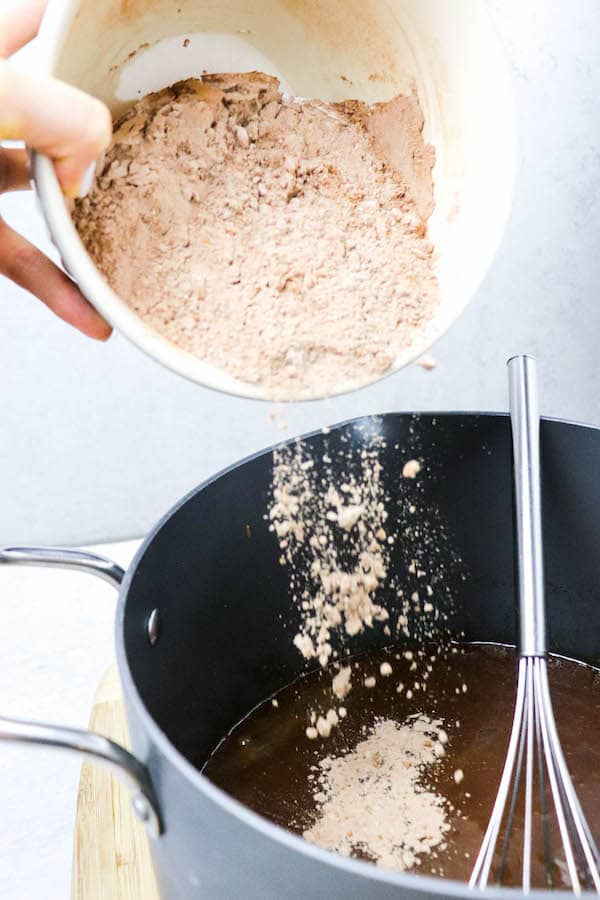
x=56 y=119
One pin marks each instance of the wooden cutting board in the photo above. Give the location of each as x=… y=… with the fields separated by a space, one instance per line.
x=111 y=856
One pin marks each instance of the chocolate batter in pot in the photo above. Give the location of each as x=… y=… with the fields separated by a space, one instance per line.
x=268 y=763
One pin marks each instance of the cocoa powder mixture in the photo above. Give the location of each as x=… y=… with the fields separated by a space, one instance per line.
x=410 y=783
x=281 y=240
x=348 y=552
x=373 y=796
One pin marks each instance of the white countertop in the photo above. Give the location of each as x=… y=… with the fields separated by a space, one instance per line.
x=58 y=640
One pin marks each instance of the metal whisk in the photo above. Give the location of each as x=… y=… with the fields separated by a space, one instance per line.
x=534 y=755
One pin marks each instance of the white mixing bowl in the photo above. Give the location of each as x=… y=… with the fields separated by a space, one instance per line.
x=120 y=50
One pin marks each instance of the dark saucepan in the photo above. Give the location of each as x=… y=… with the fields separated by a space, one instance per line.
x=215 y=600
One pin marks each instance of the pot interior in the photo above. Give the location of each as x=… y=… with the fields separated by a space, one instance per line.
x=212 y=566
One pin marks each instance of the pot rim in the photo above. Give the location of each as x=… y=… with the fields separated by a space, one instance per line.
x=294 y=842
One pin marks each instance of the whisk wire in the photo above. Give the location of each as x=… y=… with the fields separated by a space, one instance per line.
x=534 y=747
x=528 y=829
x=543 y=804
x=518 y=768
x=550 y=757
x=553 y=745
x=483 y=863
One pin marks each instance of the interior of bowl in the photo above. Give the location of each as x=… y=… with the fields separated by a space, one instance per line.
x=371 y=50
x=212 y=567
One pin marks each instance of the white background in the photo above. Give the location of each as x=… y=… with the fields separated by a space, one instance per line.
x=97 y=441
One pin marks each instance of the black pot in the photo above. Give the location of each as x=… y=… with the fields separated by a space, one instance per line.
x=200 y=639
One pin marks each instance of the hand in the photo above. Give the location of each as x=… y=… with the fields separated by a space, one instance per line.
x=69 y=127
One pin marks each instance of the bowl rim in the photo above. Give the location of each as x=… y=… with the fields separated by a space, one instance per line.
x=81 y=268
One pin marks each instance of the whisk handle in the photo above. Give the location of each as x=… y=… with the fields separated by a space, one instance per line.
x=525 y=422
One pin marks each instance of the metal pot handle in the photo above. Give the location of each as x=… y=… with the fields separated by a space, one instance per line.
x=102 y=750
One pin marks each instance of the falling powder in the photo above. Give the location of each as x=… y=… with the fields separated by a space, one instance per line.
x=310 y=522
x=341 y=683
x=336 y=528
x=411 y=468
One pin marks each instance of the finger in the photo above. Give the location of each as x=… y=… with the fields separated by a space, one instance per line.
x=30 y=269
x=14 y=170
x=19 y=23
x=57 y=119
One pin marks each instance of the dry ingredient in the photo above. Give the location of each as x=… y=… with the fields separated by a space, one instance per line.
x=341 y=683
x=282 y=240
x=330 y=512
x=427 y=362
x=411 y=469
x=310 y=516
x=373 y=799
x=262 y=763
